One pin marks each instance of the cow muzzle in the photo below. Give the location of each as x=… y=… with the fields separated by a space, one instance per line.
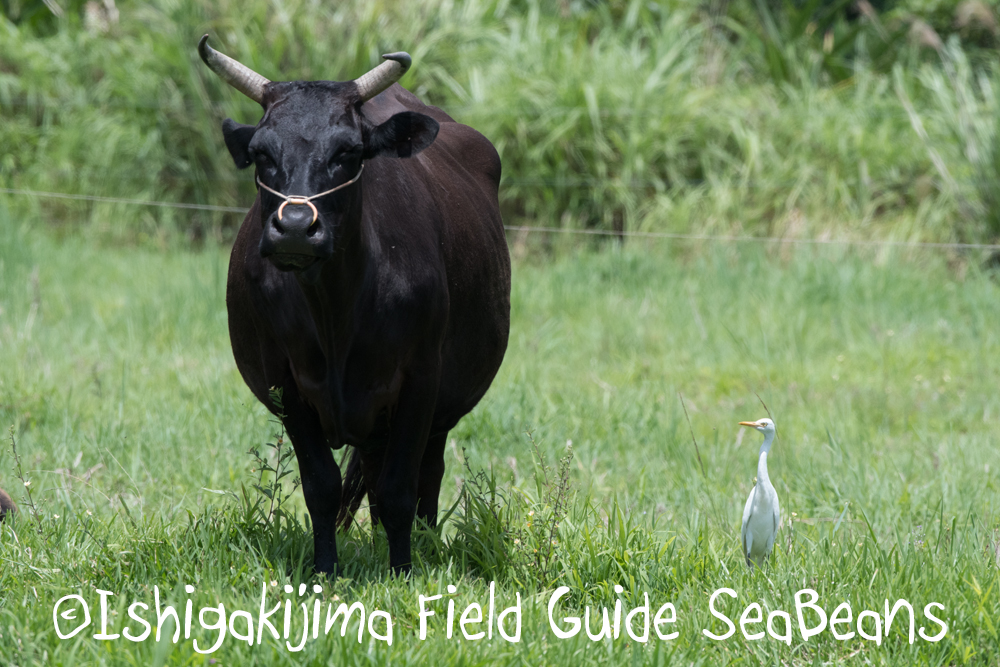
x=294 y=237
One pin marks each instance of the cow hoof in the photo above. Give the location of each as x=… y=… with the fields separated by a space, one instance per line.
x=402 y=571
x=331 y=571
x=6 y=505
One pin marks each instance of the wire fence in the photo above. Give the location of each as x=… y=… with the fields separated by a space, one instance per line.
x=122 y=200
x=756 y=239
x=585 y=182
x=528 y=229
x=540 y=111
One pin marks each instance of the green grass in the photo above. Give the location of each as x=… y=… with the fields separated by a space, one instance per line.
x=129 y=418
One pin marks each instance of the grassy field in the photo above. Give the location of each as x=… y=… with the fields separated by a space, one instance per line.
x=132 y=426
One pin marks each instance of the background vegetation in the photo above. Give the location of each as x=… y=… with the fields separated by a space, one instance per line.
x=768 y=117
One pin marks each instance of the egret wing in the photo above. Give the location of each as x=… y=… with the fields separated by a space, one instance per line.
x=746 y=536
x=776 y=518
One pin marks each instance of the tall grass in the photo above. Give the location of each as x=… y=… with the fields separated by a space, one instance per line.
x=963 y=105
x=663 y=116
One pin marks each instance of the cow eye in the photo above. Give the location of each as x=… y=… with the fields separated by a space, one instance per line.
x=344 y=156
x=262 y=159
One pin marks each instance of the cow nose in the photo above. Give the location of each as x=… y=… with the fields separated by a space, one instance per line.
x=295 y=220
x=294 y=233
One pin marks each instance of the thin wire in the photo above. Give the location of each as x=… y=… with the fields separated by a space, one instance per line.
x=119 y=200
x=550 y=230
x=454 y=110
x=565 y=183
x=568 y=182
x=754 y=239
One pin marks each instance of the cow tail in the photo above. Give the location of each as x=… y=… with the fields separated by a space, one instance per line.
x=353 y=490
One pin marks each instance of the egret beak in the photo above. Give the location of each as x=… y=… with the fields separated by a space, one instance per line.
x=748 y=424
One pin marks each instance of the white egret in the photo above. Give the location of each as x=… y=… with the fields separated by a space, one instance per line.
x=761 y=515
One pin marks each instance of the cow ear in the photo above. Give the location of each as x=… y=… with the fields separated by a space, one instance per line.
x=405 y=134
x=238 y=141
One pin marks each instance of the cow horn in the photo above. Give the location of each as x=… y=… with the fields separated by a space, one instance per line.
x=384 y=75
x=236 y=74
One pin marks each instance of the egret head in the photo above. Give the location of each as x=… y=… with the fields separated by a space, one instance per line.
x=764 y=425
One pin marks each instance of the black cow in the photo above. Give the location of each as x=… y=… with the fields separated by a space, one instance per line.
x=370 y=282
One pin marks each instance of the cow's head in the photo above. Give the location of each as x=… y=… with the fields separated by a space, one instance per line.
x=313 y=140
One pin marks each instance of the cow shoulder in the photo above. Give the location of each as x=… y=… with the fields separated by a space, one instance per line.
x=412 y=290
x=409 y=283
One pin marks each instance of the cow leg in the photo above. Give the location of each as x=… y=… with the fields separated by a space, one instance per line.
x=321 y=483
x=397 y=486
x=431 y=473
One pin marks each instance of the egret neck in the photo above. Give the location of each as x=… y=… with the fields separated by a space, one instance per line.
x=765 y=447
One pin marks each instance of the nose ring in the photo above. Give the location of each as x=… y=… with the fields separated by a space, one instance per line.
x=298 y=201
